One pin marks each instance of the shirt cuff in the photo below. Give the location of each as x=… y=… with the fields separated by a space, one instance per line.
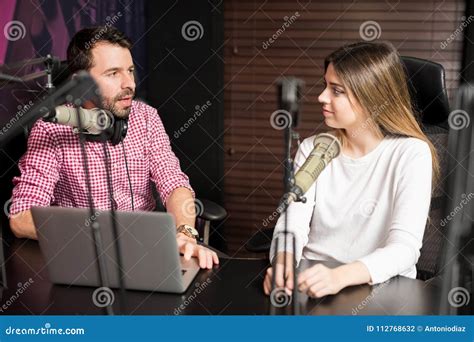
x=16 y=205
x=377 y=276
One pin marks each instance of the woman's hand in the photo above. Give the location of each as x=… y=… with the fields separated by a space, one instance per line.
x=279 y=279
x=319 y=281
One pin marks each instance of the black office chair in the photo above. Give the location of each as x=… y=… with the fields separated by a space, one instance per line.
x=430 y=100
x=426 y=81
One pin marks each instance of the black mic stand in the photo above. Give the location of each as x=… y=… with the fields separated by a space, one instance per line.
x=99 y=250
x=96 y=234
x=95 y=224
x=289 y=94
x=113 y=217
x=457 y=272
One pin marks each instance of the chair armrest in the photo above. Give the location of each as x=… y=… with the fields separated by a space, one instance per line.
x=210 y=211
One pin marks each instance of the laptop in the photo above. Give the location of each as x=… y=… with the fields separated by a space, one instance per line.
x=150 y=257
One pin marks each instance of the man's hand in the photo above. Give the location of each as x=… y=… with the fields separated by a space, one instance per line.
x=22 y=225
x=279 y=279
x=189 y=248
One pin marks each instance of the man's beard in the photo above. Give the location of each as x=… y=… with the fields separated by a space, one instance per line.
x=111 y=104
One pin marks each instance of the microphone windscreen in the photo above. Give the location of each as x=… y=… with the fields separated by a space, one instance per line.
x=326 y=148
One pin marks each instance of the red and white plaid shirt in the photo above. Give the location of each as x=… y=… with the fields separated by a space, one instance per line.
x=52 y=170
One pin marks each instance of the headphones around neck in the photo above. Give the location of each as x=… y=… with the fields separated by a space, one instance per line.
x=114 y=134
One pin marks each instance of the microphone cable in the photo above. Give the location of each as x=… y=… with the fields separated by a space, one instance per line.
x=128 y=174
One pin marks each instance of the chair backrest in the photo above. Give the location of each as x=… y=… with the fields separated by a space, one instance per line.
x=426 y=80
x=429 y=97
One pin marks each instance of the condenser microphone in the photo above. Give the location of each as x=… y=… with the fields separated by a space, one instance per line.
x=326 y=148
x=94 y=121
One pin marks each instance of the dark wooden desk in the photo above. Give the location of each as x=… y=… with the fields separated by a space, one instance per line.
x=233 y=288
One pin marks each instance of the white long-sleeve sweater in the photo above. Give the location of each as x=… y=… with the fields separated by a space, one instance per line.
x=372 y=209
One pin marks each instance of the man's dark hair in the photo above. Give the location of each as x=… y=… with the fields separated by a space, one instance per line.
x=79 y=54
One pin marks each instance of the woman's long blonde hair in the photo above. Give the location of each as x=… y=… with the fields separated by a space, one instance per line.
x=374 y=73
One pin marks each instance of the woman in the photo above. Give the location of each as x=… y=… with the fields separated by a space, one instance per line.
x=369 y=207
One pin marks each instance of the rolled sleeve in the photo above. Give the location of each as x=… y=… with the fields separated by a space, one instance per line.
x=39 y=171
x=164 y=166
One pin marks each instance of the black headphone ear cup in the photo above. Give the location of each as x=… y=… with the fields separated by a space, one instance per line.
x=119 y=131
x=114 y=138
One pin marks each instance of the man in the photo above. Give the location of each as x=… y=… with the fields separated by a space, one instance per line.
x=52 y=171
